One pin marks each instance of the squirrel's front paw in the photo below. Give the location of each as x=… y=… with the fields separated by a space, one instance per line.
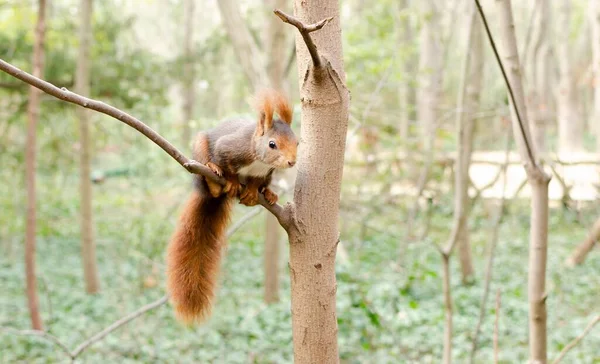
x=270 y=196
x=215 y=168
x=249 y=197
x=232 y=188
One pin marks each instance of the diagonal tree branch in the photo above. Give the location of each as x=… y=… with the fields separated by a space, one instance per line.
x=283 y=214
x=576 y=341
x=305 y=31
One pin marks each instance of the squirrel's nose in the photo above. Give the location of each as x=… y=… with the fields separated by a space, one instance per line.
x=291 y=163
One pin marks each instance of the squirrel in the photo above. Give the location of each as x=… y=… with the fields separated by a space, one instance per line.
x=245 y=153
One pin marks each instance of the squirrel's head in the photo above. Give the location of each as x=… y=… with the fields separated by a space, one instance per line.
x=274 y=141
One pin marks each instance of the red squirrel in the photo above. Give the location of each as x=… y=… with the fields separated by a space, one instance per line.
x=245 y=153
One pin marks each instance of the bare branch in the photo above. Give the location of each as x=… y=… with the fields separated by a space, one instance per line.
x=244 y=219
x=496 y=326
x=531 y=161
x=41 y=334
x=576 y=341
x=115 y=325
x=490 y=260
x=190 y=165
x=305 y=31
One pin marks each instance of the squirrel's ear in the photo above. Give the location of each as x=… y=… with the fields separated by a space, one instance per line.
x=265 y=122
x=283 y=108
x=263 y=103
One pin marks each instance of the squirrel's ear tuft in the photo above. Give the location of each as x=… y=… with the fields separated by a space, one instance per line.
x=282 y=107
x=263 y=103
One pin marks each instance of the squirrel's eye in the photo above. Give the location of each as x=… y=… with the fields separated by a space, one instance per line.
x=272 y=145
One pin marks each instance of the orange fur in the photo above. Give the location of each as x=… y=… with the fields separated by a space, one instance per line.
x=268 y=101
x=194 y=255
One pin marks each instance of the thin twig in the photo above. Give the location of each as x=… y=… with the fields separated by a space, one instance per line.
x=305 y=31
x=117 y=324
x=41 y=334
x=192 y=166
x=532 y=161
x=490 y=260
x=496 y=328
x=576 y=341
x=244 y=219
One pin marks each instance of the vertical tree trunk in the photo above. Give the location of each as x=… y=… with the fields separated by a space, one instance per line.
x=251 y=60
x=595 y=13
x=538 y=67
x=406 y=92
x=430 y=72
x=33 y=113
x=570 y=125
x=325 y=101
x=275 y=44
x=538 y=180
x=189 y=93
x=586 y=246
x=82 y=87
x=474 y=74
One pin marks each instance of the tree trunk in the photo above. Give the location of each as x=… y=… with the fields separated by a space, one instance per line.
x=325 y=101
x=539 y=98
x=82 y=87
x=570 y=125
x=189 y=93
x=33 y=113
x=538 y=180
x=406 y=91
x=584 y=248
x=595 y=11
x=251 y=60
x=430 y=73
x=474 y=69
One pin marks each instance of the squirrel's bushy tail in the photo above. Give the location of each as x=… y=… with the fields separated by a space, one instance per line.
x=194 y=254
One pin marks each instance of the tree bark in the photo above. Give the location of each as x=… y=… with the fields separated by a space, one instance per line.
x=33 y=113
x=570 y=125
x=82 y=87
x=538 y=180
x=430 y=73
x=586 y=246
x=189 y=92
x=325 y=101
x=595 y=13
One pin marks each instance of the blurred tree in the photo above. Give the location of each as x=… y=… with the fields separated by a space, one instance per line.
x=570 y=124
x=188 y=71
x=33 y=114
x=430 y=72
x=82 y=87
x=537 y=64
x=586 y=246
x=466 y=127
x=595 y=14
x=406 y=92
